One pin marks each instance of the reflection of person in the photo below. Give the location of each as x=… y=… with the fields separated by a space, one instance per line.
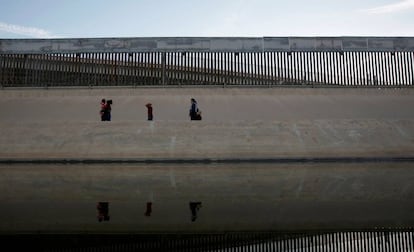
x=194 y=207
x=149 y=108
x=103 y=211
x=149 y=209
x=195 y=113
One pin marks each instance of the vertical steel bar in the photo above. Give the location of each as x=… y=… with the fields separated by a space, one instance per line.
x=375 y=65
x=328 y=68
x=300 y=67
x=203 y=67
x=290 y=67
x=199 y=68
x=386 y=68
x=381 y=77
x=403 y=69
x=337 y=68
x=381 y=61
x=349 y=68
x=38 y=68
x=303 y=74
x=353 y=69
x=226 y=68
x=277 y=67
x=217 y=67
x=96 y=65
x=145 y=67
x=210 y=67
x=257 y=68
x=372 y=67
x=243 y=65
x=271 y=68
x=394 y=68
x=281 y=66
x=253 y=68
x=305 y=68
x=377 y=62
x=399 y=68
x=2 y=70
x=231 y=66
x=411 y=68
x=266 y=64
x=358 y=68
x=153 y=68
x=213 y=67
x=320 y=67
x=369 y=68
x=341 y=67
x=406 y=68
x=313 y=67
x=293 y=58
x=332 y=67
x=317 y=64
x=134 y=73
x=363 y=68
x=220 y=68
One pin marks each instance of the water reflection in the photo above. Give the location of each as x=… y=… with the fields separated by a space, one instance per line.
x=194 y=207
x=149 y=209
x=343 y=195
x=103 y=211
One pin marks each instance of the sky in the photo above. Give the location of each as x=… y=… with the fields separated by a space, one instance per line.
x=204 y=18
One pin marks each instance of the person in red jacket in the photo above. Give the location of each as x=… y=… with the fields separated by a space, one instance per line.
x=102 y=111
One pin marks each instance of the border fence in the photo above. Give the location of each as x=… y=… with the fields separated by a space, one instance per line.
x=381 y=240
x=298 y=61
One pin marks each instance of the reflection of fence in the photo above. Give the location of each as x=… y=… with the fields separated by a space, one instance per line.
x=377 y=240
x=266 y=68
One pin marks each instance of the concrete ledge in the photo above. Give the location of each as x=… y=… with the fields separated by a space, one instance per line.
x=292 y=160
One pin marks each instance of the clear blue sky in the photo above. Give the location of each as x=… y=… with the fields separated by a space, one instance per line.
x=164 y=18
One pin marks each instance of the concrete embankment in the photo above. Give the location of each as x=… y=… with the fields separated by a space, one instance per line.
x=237 y=123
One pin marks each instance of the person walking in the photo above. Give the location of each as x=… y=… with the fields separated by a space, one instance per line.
x=107 y=111
x=149 y=111
x=195 y=113
x=102 y=111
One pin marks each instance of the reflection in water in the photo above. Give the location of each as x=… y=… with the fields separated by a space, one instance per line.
x=194 y=207
x=383 y=193
x=103 y=211
x=149 y=209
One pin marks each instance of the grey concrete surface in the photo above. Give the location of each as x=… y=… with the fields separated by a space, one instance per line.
x=250 y=123
x=207 y=44
x=238 y=123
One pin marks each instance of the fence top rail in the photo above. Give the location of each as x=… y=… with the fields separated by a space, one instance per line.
x=207 y=44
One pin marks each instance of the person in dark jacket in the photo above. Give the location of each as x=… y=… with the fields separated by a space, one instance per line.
x=149 y=110
x=195 y=113
x=107 y=110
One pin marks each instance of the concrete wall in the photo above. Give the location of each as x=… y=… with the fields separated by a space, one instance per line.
x=206 y=44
